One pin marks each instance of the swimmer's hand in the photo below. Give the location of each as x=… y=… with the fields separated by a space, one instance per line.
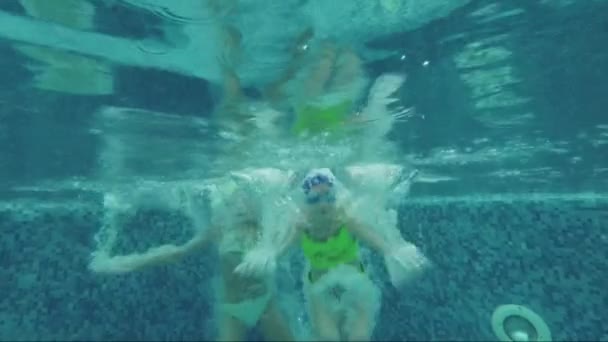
x=128 y=263
x=385 y=86
x=258 y=262
x=404 y=262
x=110 y=265
x=401 y=190
x=412 y=175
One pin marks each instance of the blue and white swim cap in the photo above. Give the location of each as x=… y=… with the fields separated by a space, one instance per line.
x=316 y=177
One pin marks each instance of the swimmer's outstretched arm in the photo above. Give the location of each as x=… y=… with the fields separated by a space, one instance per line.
x=262 y=259
x=103 y=263
x=402 y=259
x=369 y=237
x=292 y=237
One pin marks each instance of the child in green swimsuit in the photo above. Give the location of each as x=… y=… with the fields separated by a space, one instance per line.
x=342 y=300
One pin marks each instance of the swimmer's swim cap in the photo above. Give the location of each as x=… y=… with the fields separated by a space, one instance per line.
x=316 y=177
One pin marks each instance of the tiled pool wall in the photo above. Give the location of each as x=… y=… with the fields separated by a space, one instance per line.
x=547 y=254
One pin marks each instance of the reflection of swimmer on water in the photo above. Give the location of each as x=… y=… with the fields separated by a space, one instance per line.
x=325 y=91
x=245 y=302
x=243 y=119
x=342 y=300
x=317 y=92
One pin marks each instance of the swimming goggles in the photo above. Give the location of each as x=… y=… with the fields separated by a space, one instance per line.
x=327 y=197
x=317 y=179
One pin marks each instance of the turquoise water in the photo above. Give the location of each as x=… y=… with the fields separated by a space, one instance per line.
x=509 y=132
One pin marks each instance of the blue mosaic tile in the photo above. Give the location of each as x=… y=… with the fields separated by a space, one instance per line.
x=546 y=254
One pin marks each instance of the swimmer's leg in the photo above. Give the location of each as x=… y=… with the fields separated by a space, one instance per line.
x=230 y=328
x=222 y=7
x=232 y=89
x=276 y=91
x=274 y=325
x=229 y=112
x=230 y=38
x=348 y=70
x=363 y=304
x=314 y=85
x=324 y=324
x=360 y=325
x=232 y=93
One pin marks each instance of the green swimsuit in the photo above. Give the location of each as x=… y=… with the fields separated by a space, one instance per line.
x=342 y=248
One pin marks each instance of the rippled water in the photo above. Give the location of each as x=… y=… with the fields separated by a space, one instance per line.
x=507 y=95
